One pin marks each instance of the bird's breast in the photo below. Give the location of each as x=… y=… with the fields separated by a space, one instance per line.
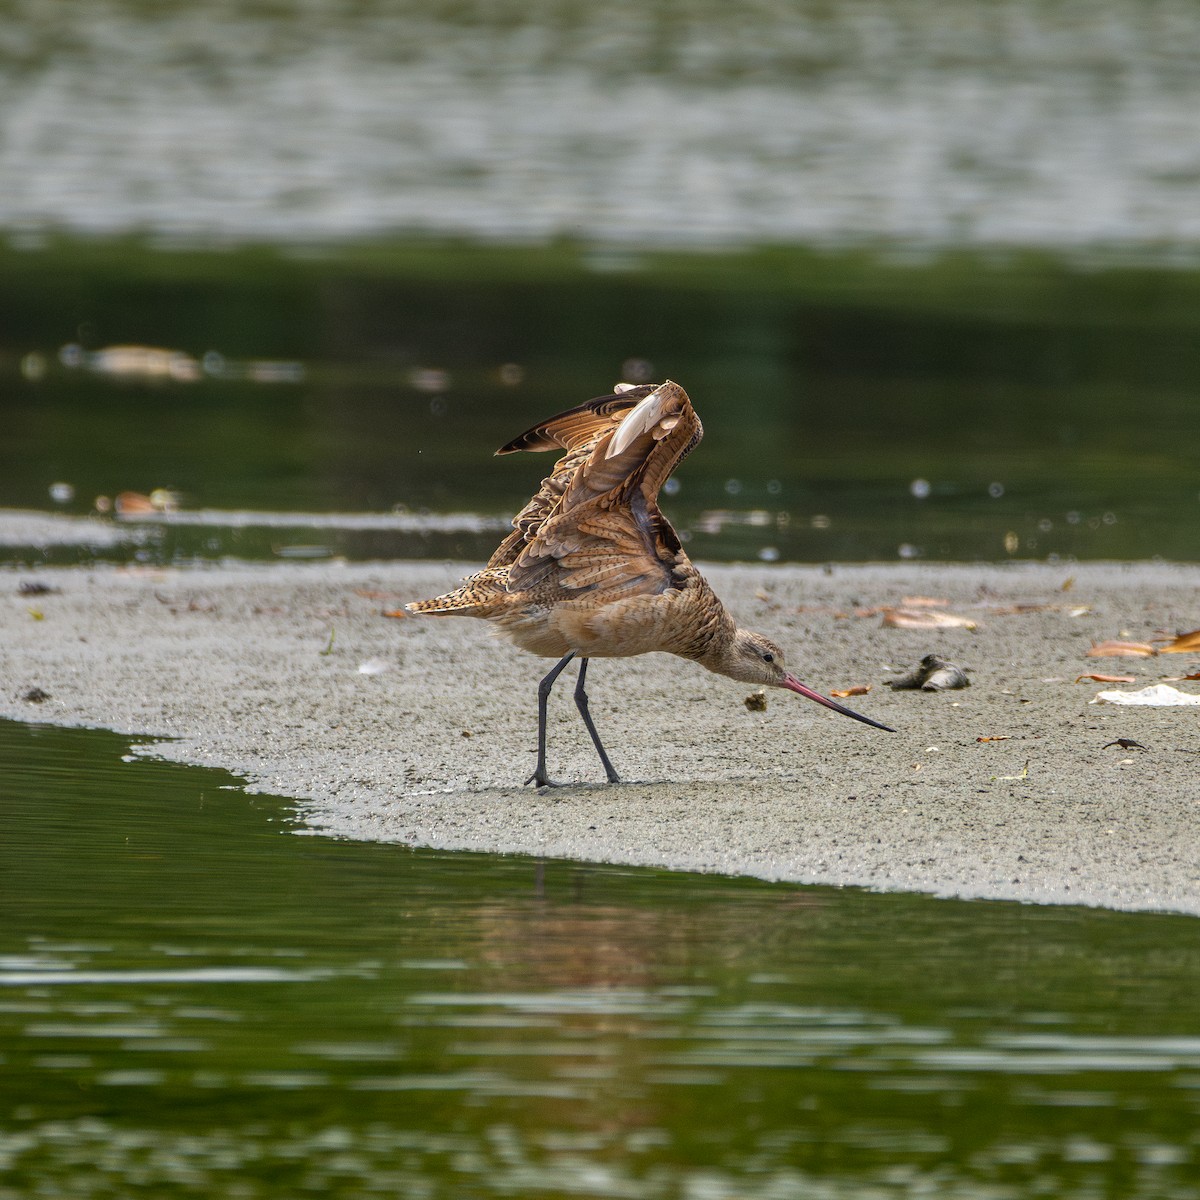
x=620 y=628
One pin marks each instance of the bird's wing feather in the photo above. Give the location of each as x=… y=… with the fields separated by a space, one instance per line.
x=581 y=425
x=599 y=527
x=577 y=431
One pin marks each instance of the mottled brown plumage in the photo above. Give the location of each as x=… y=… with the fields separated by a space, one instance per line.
x=593 y=569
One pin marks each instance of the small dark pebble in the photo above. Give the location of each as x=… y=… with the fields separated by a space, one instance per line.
x=35 y=695
x=31 y=587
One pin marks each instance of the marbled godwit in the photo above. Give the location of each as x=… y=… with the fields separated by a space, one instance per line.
x=592 y=569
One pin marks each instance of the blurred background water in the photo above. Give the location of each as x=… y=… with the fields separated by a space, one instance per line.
x=1021 y=122
x=928 y=269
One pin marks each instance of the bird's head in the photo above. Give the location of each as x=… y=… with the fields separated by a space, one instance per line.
x=752 y=658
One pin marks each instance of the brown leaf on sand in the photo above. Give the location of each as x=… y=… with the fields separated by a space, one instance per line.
x=1185 y=643
x=1000 y=737
x=1117 y=649
x=925 y=618
x=395 y=612
x=1106 y=678
x=859 y=689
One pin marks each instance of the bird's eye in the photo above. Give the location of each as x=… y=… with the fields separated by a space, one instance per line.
x=768 y=657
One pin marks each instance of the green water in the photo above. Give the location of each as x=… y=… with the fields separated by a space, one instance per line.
x=856 y=406
x=195 y=1001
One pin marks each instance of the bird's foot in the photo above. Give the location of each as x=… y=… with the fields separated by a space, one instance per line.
x=544 y=781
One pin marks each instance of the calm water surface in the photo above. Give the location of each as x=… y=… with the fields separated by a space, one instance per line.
x=196 y=1001
x=856 y=407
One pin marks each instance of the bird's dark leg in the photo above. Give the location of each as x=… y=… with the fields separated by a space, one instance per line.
x=581 y=702
x=539 y=777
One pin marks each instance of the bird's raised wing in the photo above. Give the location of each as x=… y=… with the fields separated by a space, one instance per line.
x=576 y=431
x=598 y=527
x=583 y=425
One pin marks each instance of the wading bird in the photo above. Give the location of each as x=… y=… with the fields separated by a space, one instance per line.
x=592 y=569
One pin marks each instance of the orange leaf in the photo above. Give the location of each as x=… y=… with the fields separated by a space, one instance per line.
x=1107 y=678
x=1185 y=643
x=1119 y=649
x=923 y=602
x=859 y=689
x=395 y=612
x=1002 y=737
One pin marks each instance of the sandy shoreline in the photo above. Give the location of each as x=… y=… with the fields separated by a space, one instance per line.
x=429 y=743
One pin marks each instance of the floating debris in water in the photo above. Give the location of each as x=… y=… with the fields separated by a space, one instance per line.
x=137 y=362
x=430 y=380
x=34 y=587
x=932 y=674
x=62 y=493
x=35 y=695
x=135 y=504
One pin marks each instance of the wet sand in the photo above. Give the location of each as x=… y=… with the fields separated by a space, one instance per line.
x=420 y=730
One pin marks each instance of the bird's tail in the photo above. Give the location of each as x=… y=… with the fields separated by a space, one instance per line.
x=475 y=597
